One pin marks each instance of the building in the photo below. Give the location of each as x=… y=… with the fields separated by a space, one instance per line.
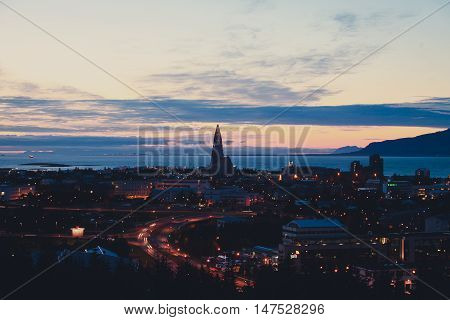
x=220 y=164
x=263 y=256
x=374 y=184
x=232 y=196
x=15 y=192
x=322 y=243
x=245 y=261
x=422 y=173
x=356 y=167
x=90 y=257
x=197 y=186
x=291 y=172
x=422 y=176
x=373 y=189
x=376 y=165
x=399 y=189
x=174 y=195
x=132 y=189
x=395 y=276
x=368 y=193
x=173 y=190
x=431 y=191
x=77 y=232
x=298 y=230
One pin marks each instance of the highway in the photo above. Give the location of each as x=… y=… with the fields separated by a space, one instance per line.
x=154 y=240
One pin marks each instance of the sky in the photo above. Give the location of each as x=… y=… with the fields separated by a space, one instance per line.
x=237 y=63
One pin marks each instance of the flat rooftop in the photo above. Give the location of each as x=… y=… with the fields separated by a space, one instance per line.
x=317 y=223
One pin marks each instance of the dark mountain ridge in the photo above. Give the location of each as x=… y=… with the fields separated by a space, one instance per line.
x=435 y=144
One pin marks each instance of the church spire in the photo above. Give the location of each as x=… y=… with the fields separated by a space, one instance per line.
x=217 y=143
x=220 y=165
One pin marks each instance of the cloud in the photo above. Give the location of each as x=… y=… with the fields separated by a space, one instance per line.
x=347 y=21
x=255 y=78
x=69 y=91
x=32 y=89
x=32 y=129
x=437 y=104
x=351 y=22
x=28 y=87
x=233 y=87
x=251 y=6
x=21 y=115
x=232 y=54
x=352 y=115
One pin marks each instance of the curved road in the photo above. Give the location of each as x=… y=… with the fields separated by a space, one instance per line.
x=153 y=239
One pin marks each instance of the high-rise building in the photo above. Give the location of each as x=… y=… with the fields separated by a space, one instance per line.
x=220 y=164
x=376 y=165
x=356 y=167
x=423 y=173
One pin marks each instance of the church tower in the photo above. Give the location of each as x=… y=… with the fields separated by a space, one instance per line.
x=220 y=164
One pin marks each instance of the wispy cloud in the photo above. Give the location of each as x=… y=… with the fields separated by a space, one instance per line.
x=121 y=117
x=250 y=6
x=232 y=87
x=27 y=88
x=351 y=22
x=347 y=21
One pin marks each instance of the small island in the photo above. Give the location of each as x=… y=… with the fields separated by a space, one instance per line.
x=47 y=164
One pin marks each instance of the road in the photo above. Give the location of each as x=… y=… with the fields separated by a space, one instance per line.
x=154 y=240
x=153 y=237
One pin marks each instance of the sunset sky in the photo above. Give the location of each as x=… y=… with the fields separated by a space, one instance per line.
x=230 y=62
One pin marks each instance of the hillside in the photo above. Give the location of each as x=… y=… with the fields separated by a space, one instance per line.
x=347 y=149
x=433 y=144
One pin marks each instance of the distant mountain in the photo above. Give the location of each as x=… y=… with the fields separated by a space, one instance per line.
x=347 y=149
x=433 y=144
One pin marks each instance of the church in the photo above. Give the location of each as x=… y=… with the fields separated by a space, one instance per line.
x=221 y=165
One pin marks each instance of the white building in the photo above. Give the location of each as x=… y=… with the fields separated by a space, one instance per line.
x=301 y=229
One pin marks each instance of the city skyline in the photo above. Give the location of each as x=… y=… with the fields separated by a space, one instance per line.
x=249 y=157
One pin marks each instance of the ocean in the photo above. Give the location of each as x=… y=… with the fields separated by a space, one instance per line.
x=438 y=166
